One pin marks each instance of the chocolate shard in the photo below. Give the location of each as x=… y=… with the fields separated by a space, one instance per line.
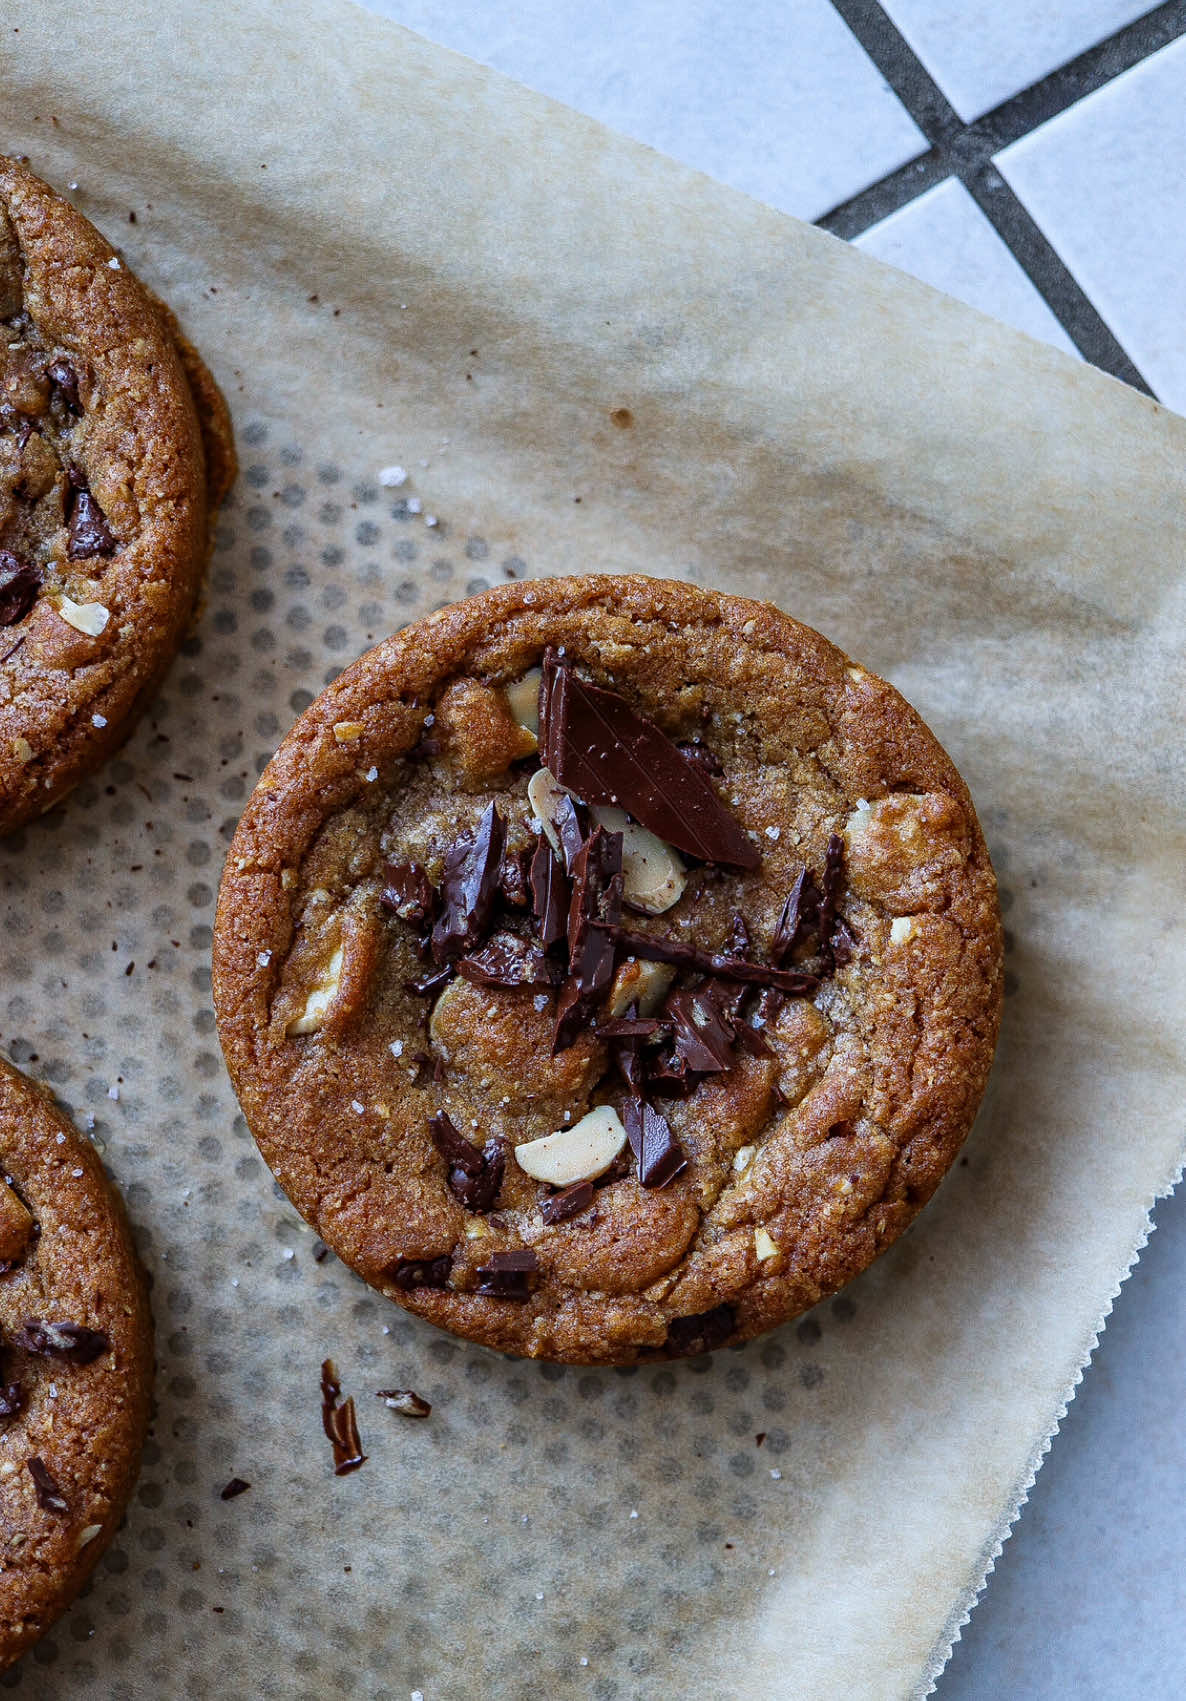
x=340 y=1422
x=597 y=746
x=572 y=1016
x=656 y=950
x=49 y=1496
x=750 y=1040
x=20 y=582
x=234 y=1489
x=508 y=960
x=802 y=903
x=89 y=533
x=550 y=895
x=73 y=1342
x=514 y=879
x=426 y=1065
x=406 y=1401
x=412 y=1273
x=702 y=1037
x=469 y=888
x=843 y=943
x=559 y=1207
x=430 y=984
x=571 y=829
x=660 y=1155
x=738 y=942
x=64 y=379
x=474 y=1177
x=632 y=1027
x=668 y=1075
x=702 y=1333
x=409 y=893
x=507 y=1275
x=829 y=893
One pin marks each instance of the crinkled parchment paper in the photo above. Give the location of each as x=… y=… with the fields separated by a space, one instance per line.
x=588 y=357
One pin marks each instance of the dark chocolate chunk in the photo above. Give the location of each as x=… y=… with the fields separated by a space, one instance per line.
x=700 y=756
x=20 y=582
x=469 y=888
x=474 y=1176
x=595 y=744
x=405 y=1401
x=802 y=903
x=737 y=942
x=340 y=1423
x=89 y=531
x=702 y=1037
x=49 y=1496
x=829 y=892
x=668 y=1075
x=409 y=893
x=572 y=1016
x=430 y=984
x=426 y=1065
x=559 y=1207
x=656 y=950
x=507 y=1275
x=508 y=960
x=632 y=1027
x=514 y=879
x=549 y=895
x=234 y=1489
x=568 y=820
x=423 y=1272
x=749 y=1040
x=71 y=1341
x=65 y=382
x=843 y=943
x=702 y=1333
x=660 y=1155
x=770 y=1003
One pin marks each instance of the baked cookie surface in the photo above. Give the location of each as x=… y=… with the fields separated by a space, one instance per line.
x=115 y=448
x=75 y=1362
x=629 y=1031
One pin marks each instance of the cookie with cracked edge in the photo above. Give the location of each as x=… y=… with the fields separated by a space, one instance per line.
x=76 y=1362
x=608 y=969
x=115 y=451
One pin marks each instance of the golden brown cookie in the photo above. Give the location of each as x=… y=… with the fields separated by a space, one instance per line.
x=115 y=449
x=75 y=1362
x=608 y=968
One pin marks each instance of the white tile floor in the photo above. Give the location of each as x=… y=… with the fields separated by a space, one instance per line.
x=777 y=100
x=980 y=53
x=1088 y=1600
x=1106 y=183
x=944 y=238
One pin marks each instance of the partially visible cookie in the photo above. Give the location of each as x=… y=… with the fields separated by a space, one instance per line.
x=115 y=449
x=75 y=1362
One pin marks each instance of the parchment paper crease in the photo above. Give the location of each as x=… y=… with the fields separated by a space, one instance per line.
x=391 y=256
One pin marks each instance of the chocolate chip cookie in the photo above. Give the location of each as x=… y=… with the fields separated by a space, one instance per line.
x=75 y=1362
x=115 y=449
x=608 y=969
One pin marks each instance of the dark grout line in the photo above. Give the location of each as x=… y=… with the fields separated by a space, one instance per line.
x=965 y=152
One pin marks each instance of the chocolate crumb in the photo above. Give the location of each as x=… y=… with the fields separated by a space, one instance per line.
x=49 y=1496
x=12 y=1399
x=89 y=532
x=700 y=756
x=701 y=1333
x=559 y=1207
x=507 y=1275
x=406 y=1401
x=65 y=381
x=340 y=1423
x=234 y=1488
x=19 y=584
x=759 y=1437
x=320 y=1251
x=412 y=1273
x=508 y=960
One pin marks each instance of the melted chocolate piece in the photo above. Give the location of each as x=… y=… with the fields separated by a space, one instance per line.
x=409 y=893
x=474 y=1177
x=469 y=887
x=70 y=1341
x=702 y=1333
x=702 y=1037
x=89 y=531
x=340 y=1423
x=550 y=895
x=430 y=984
x=738 y=942
x=656 y=950
x=20 y=582
x=606 y=752
x=423 y=1272
x=234 y=1489
x=507 y=1275
x=514 y=879
x=632 y=1027
x=508 y=960
x=660 y=1155
x=65 y=382
x=49 y=1496
x=559 y=1207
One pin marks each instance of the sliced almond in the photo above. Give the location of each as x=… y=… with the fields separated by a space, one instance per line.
x=901 y=929
x=544 y=792
x=580 y=1153
x=88 y=617
x=653 y=877
x=643 y=984
x=347 y=731
x=523 y=696
x=764 y=1246
x=318 y=1003
x=743 y=1158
